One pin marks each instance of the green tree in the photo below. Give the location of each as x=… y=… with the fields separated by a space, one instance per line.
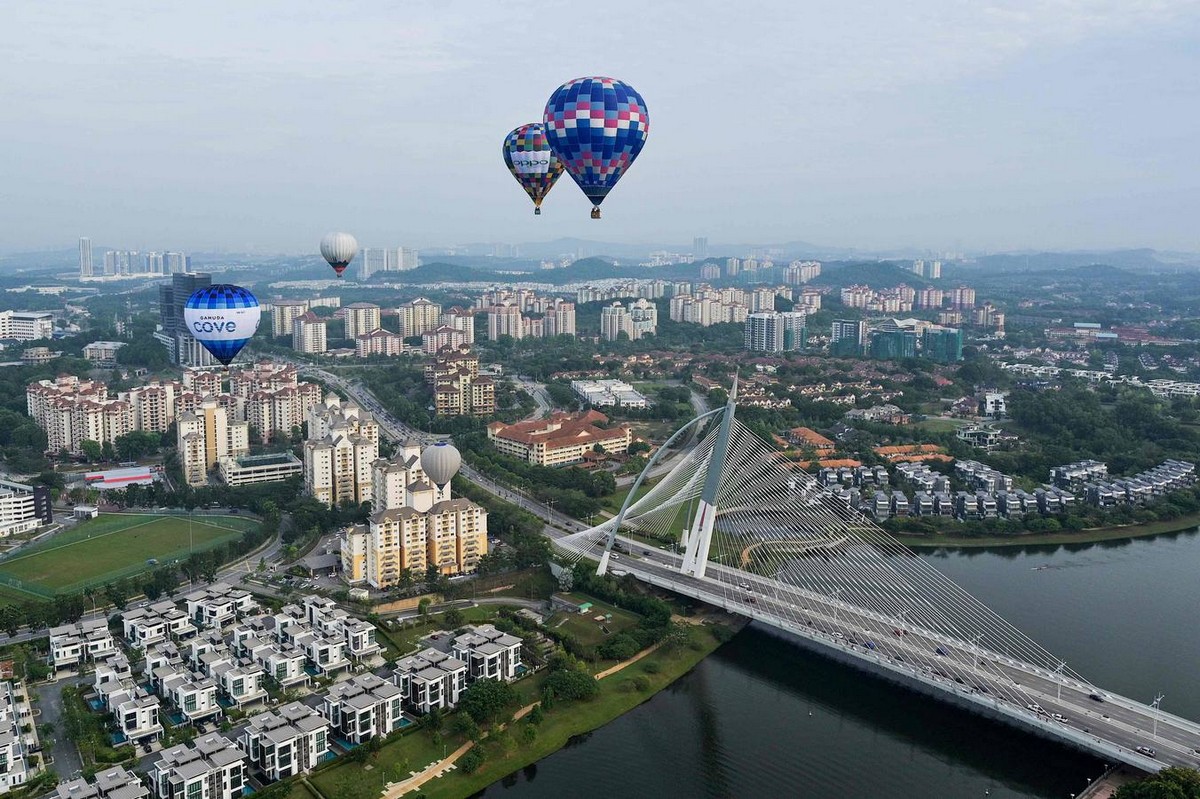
x=423 y=606
x=487 y=700
x=1170 y=783
x=91 y=449
x=453 y=618
x=571 y=685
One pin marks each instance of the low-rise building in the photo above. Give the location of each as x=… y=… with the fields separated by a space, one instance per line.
x=364 y=706
x=291 y=740
x=212 y=768
x=71 y=644
x=430 y=680
x=112 y=783
x=488 y=653
x=103 y=353
x=559 y=439
x=250 y=469
x=14 y=770
x=23 y=507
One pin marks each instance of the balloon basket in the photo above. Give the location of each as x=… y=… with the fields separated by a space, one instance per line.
x=537 y=211
x=596 y=212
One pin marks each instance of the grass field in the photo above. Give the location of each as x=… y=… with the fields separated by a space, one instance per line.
x=116 y=545
x=587 y=630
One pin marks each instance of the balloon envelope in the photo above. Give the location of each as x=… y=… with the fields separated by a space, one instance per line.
x=596 y=126
x=531 y=161
x=440 y=462
x=339 y=250
x=222 y=318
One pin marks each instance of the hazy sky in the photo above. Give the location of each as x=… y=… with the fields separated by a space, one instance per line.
x=925 y=123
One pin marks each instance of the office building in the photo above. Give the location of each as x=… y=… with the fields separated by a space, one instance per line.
x=776 y=331
x=26 y=325
x=172 y=333
x=23 y=507
x=847 y=337
x=205 y=436
x=942 y=344
x=85 y=257
x=892 y=345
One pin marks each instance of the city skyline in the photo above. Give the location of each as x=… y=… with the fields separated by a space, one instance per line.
x=975 y=128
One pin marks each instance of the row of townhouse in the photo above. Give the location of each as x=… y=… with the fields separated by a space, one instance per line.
x=435 y=678
x=14 y=712
x=291 y=740
x=1139 y=489
x=922 y=478
x=213 y=767
x=981 y=477
x=963 y=505
x=113 y=783
x=853 y=476
x=72 y=644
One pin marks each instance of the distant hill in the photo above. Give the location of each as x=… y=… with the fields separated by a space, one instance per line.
x=874 y=274
x=1140 y=260
x=438 y=272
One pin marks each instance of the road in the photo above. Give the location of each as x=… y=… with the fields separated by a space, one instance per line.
x=67 y=763
x=700 y=406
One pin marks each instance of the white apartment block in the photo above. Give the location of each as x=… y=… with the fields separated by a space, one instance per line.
x=310 y=333
x=291 y=740
x=360 y=318
x=421 y=316
x=379 y=342
x=103 y=353
x=212 y=768
x=206 y=436
x=363 y=707
x=343 y=443
x=284 y=313
x=23 y=507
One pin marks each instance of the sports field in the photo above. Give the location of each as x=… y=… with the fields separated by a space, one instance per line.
x=113 y=546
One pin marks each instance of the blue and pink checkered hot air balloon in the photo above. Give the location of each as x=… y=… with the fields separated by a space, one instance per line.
x=596 y=126
x=222 y=318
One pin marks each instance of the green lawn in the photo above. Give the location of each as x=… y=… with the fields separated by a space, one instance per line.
x=587 y=630
x=117 y=545
x=937 y=425
x=395 y=761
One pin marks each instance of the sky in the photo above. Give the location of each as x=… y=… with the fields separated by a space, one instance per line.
x=929 y=124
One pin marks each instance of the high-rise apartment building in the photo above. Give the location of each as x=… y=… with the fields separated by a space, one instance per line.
x=284 y=313
x=205 y=436
x=560 y=319
x=615 y=320
x=343 y=442
x=309 y=333
x=962 y=297
x=85 y=257
x=700 y=247
x=419 y=317
x=505 y=320
x=360 y=317
x=775 y=331
x=461 y=319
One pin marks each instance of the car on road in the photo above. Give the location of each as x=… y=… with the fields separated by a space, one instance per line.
x=744 y=586
x=1096 y=696
x=1147 y=751
x=1059 y=717
x=1035 y=707
x=941 y=650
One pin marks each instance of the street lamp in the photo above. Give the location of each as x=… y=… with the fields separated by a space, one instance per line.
x=1061 y=679
x=1156 y=704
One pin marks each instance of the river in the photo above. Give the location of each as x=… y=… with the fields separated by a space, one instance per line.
x=764 y=718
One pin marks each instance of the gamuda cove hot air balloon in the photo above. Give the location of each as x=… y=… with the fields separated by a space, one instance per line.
x=596 y=127
x=222 y=318
x=339 y=250
x=532 y=162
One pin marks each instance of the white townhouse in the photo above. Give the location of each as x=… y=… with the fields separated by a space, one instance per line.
x=362 y=707
x=430 y=680
x=212 y=768
x=291 y=740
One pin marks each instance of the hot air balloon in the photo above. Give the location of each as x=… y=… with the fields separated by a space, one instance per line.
x=440 y=462
x=596 y=127
x=222 y=318
x=532 y=162
x=339 y=250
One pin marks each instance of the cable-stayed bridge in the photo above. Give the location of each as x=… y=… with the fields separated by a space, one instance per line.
x=751 y=532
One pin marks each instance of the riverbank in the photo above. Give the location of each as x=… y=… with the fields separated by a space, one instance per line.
x=620 y=692
x=1095 y=535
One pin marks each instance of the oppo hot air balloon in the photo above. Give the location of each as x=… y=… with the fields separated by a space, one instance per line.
x=532 y=162
x=596 y=127
x=440 y=462
x=222 y=318
x=339 y=250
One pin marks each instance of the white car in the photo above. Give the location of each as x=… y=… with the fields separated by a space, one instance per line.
x=1059 y=717
x=744 y=586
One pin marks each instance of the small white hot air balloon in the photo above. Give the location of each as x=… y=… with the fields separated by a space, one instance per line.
x=339 y=250
x=441 y=462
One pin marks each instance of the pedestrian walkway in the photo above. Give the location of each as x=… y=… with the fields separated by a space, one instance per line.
x=1108 y=784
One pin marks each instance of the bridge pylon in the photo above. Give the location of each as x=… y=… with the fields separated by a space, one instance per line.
x=698 y=540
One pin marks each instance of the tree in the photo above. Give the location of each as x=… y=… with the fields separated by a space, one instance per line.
x=423 y=606
x=453 y=618
x=1170 y=783
x=571 y=685
x=472 y=760
x=465 y=726
x=91 y=449
x=487 y=700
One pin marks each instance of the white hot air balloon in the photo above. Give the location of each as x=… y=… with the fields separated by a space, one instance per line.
x=339 y=250
x=441 y=462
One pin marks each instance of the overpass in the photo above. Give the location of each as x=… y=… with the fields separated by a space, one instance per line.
x=735 y=525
